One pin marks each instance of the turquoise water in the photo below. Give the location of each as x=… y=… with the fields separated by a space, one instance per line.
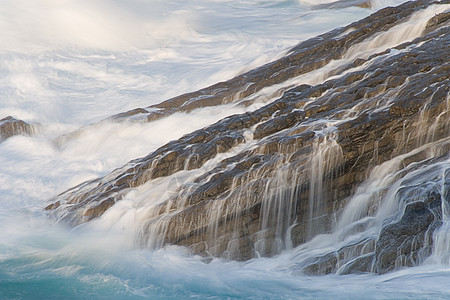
x=55 y=264
x=60 y=266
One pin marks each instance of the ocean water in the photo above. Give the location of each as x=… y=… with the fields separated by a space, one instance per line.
x=67 y=64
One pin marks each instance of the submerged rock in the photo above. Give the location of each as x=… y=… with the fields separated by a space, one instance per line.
x=353 y=258
x=274 y=178
x=345 y=3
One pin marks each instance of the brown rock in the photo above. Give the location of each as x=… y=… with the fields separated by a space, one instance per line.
x=10 y=127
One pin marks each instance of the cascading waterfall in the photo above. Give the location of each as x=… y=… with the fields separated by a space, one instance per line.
x=397 y=35
x=441 y=237
x=381 y=201
x=326 y=156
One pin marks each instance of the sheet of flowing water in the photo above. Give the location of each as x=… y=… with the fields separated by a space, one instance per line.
x=67 y=64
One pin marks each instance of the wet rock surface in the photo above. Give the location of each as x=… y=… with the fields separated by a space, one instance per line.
x=405 y=239
x=10 y=126
x=282 y=173
x=399 y=243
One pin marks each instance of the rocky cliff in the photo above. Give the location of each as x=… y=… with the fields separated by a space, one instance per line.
x=333 y=110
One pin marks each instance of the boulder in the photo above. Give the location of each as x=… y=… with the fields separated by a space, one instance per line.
x=401 y=243
x=10 y=126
